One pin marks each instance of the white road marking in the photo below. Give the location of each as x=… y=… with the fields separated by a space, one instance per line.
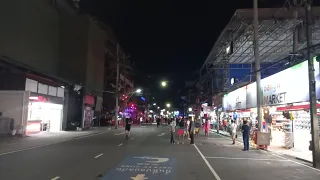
x=132 y=138
x=208 y=164
x=120 y=144
x=301 y=164
x=119 y=133
x=312 y=168
x=98 y=155
x=162 y=134
x=253 y=159
x=274 y=155
x=55 y=178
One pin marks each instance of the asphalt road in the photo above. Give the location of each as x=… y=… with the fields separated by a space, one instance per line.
x=148 y=155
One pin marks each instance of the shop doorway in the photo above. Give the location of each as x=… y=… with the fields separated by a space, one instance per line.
x=44 y=116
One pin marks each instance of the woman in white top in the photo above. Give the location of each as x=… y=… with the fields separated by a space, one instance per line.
x=233 y=129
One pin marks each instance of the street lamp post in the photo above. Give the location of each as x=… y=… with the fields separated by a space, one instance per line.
x=312 y=90
x=126 y=102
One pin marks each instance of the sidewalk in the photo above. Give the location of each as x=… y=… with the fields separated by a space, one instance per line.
x=292 y=153
x=10 y=144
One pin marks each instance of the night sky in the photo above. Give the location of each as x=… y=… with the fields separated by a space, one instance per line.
x=167 y=39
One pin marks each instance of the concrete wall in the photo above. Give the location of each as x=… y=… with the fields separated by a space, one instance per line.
x=53 y=42
x=12 y=81
x=14 y=104
x=73 y=47
x=29 y=33
x=95 y=60
x=82 y=51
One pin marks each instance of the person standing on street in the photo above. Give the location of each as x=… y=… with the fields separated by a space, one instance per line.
x=181 y=132
x=186 y=126
x=158 y=122
x=172 y=127
x=233 y=130
x=246 y=134
x=191 y=131
x=206 y=128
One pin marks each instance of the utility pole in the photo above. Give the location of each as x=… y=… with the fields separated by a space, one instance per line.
x=117 y=88
x=312 y=90
x=147 y=103
x=257 y=61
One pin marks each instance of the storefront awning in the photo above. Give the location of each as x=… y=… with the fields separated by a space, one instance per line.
x=296 y=107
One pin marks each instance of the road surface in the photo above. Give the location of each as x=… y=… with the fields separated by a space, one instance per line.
x=148 y=155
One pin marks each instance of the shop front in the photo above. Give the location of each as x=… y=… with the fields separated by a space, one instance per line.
x=234 y=108
x=45 y=113
x=285 y=107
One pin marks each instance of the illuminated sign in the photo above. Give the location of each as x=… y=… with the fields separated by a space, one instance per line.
x=39 y=98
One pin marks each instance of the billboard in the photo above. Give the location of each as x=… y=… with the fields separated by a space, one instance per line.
x=288 y=86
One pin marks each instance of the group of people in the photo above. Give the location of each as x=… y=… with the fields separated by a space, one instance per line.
x=187 y=127
x=245 y=129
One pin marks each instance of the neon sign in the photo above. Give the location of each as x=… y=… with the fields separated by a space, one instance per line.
x=39 y=98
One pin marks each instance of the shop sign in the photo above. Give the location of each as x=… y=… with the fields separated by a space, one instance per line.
x=89 y=100
x=39 y=98
x=235 y=100
x=288 y=86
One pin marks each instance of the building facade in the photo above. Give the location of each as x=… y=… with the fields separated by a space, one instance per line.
x=56 y=56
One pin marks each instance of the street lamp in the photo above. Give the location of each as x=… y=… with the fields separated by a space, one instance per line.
x=154 y=104
x=168 y=105
x=158 y=107
x=190 y=109
x=138 y=91
x=164 y=83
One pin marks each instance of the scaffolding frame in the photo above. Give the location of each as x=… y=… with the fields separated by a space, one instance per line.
x=276 y=32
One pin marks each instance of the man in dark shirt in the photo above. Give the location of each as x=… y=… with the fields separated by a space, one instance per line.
x=191 y=130
x=128 y=127
x=246 y=134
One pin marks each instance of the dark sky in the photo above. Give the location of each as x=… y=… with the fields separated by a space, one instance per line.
x=167 y=39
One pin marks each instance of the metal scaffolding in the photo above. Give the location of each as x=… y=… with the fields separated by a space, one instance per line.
x=276 y=32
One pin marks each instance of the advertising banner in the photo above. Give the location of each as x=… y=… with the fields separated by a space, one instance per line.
x=251 y=95
x=288 y=86
x=235 y=100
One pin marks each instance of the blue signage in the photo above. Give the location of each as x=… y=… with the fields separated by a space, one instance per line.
x=141 y=168
x=142 y=98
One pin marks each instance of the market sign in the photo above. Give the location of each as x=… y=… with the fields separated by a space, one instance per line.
x=288 y=86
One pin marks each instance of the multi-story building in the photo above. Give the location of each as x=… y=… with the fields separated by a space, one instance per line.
x=113 y=51
x=51 y=65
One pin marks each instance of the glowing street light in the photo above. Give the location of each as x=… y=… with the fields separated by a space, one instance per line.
x=190 y=109
x=154 y=104
x=163 y=83
x=138 y=91
x=158 y=107
x=168 y=105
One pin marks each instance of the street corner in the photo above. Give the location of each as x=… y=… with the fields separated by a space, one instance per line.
x=142 y=168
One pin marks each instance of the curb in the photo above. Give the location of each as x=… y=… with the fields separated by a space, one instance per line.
x=266 y=150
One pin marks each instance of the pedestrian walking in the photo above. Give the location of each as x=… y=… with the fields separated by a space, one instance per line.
x=181 y=132
x=186 y=126
x=197 y=129
x=172 y=131
x=158 y=122
x=128 y=127
x=246 y=134
x=206 y=128
x=191 y=131
x=233 y=131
